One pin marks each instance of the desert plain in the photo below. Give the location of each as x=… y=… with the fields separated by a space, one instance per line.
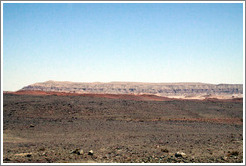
x=42 y=127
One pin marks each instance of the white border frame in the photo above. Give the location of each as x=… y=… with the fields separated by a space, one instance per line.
x=2 y=2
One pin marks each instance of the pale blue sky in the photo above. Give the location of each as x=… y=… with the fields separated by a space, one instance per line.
x=122 y=42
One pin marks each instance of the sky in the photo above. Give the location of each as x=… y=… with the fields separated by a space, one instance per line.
x=136 y=42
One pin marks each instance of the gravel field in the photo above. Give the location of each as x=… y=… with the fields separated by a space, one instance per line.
x=82 y=129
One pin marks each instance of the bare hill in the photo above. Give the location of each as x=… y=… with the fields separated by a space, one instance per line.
x=175 y=90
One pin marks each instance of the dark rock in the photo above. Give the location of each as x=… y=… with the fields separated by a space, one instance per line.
x=90 y=152
x=28 y=155
x=78 y=151
x=6 y=159
x=233 y=153
x=165 y=150
x=180 y=154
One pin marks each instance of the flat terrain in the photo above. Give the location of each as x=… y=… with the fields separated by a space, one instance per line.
x=56 y=128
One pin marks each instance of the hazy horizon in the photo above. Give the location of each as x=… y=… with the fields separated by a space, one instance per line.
x=128 y=82
x=122 y=42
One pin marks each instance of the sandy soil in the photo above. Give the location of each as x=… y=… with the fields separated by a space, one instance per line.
x=141 y=129
x=142 y=97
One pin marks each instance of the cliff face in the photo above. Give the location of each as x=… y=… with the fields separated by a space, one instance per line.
x=160 y=89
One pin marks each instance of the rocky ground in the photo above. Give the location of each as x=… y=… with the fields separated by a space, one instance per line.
x=81 y=129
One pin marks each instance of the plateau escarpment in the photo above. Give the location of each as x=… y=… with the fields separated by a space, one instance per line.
x=175 y=90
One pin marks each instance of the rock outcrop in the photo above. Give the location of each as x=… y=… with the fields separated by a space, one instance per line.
x=180 y=90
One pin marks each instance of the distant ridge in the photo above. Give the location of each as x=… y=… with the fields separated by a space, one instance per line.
x=175 y=90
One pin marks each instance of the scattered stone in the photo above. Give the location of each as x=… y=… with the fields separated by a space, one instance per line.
x=180 y=154
x=44 y=154
x=90 y=152
x=41 y=149
x=74 y=151
x=165 y=150
x=233 y=153
x=28 y=155
x=80 y=152
x=24 y=154
x=224 y=158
